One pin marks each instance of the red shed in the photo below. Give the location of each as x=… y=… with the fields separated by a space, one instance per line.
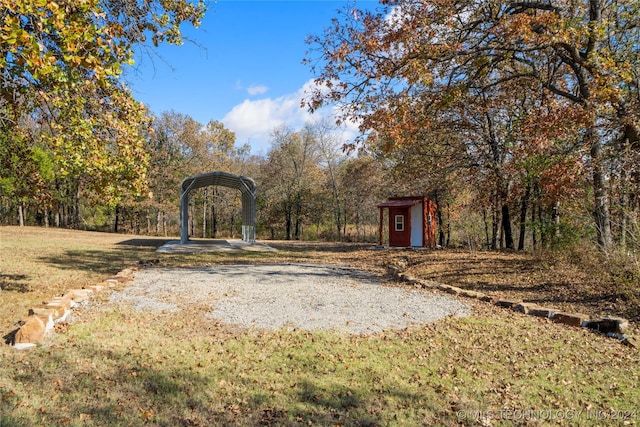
x=412 y=221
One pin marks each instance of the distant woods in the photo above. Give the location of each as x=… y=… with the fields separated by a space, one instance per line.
x=308 y=188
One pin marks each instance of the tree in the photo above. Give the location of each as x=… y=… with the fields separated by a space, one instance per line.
x=331 y=156
x=61 y=62
x=48 y=44
x=220 y=154
x=362 y=181
x=385 y=66
x=289 y=177
x=24 y=170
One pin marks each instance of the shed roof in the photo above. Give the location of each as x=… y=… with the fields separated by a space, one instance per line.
x=399 y=203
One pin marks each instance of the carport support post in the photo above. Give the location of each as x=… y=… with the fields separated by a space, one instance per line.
x=184 y=218
x=184 y=213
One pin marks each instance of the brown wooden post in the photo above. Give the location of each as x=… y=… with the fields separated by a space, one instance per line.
x=425 y=222
x=380 y=215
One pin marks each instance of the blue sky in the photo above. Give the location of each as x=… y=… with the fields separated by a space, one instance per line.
x=244 y=69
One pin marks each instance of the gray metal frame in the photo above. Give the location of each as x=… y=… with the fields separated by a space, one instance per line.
x=247 y=187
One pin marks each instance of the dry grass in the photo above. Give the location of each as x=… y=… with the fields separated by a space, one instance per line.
x=546 y=279
x=119 y=367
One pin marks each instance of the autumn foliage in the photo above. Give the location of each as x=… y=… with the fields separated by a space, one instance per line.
x=65 y=115
x=526 y=96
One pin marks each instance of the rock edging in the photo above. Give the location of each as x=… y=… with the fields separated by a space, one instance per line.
x=611 y=326
x=41 y=319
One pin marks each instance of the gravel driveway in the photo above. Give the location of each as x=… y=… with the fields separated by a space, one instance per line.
x=289 y=295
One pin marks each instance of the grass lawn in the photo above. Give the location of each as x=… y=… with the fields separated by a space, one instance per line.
x=120 y=367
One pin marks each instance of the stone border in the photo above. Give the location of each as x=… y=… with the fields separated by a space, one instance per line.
x=42 y=318
x=610 y=326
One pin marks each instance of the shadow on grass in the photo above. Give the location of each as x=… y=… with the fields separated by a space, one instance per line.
x=300 y=246
x=127 y=390
x=154 y=243
x=98 y=261
x=6 y=419
x=14 y=282
x=335 y=400
x=10 y=339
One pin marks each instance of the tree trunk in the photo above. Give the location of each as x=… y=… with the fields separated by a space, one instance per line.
x=338 y=214
x=205 y=212
x=601 y=208
x=298 y=224
x=448 y=228
x=440 y=226
x=288 y=224
x=556 y=219
x=116 y=222
x=506 y=227
x=76 y=214
x=214 y=221
x=534 y=228
x=624 y=209
x=495 y=228
x=21 y=214
x=629 y=145
x=165 y=231
x=486 y=228
x=523 y=217
x=344 y=218
x=214 y=212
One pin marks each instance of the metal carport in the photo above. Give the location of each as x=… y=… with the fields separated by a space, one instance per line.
x=247 y=187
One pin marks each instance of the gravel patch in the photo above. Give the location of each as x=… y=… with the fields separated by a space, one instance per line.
x=297 y=296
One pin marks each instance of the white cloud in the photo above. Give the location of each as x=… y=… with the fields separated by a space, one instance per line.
x=257 y=90
x=253 y=121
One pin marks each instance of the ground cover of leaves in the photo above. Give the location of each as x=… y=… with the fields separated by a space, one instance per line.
x=121 y=367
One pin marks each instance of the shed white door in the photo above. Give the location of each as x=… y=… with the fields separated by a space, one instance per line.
x=416 y=225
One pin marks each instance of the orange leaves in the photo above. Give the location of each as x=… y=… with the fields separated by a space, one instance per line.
x=146 y=414
x=540 y=28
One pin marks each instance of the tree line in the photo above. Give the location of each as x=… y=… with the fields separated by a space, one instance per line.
x=308 y=188
x=305 y=184
x=519 y=119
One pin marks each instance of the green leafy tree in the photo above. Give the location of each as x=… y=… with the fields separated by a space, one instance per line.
x=62 y=61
